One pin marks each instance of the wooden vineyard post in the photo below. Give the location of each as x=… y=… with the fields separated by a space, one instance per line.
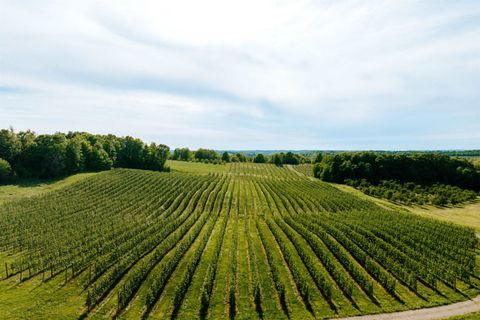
x=6 y=270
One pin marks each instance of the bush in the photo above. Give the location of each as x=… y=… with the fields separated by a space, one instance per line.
x=5 y=170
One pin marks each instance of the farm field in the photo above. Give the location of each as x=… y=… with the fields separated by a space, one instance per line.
x=236 y=241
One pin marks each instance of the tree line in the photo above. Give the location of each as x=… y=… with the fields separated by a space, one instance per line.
x=424 y=169
x=26 y=154
x=212 y=156
x=411 y=193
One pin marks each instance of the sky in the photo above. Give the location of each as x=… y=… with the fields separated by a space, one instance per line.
x=325 y=74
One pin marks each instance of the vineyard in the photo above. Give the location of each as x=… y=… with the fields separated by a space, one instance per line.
x=237 y=241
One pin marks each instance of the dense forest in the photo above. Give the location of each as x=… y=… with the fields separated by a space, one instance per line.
x=26 y=154
x=423 y=178
x=424 y=169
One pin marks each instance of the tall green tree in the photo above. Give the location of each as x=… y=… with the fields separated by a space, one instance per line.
x=10 y=145
x=74 y=156
x=277 y=159
x=182 y=154
x=290 y=158
x=318 y=157
x=260 y=158
x=98 y=159
x=226 y=157
x=240 y=157
x=156 y=156
x=206 y=154
x=132 y=153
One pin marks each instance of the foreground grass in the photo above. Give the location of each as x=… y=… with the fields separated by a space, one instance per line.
x=35 y=299
x=32 y=187
x=471 y=316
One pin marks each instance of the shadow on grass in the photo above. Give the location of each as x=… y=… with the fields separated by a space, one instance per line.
x=33 y=182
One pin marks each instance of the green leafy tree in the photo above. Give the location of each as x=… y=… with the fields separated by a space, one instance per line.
x=260 y=158
x=45 y=156
x=98 y=159
x=156 y=156
x=10 y=145
x=277 y=159
x=318 y=158
x=226 y=157
x=291 y=158
x=182 y=154
x=240 y=157
x=5 y=170
x=74 y=157
x=131 y=153
x=206 y=154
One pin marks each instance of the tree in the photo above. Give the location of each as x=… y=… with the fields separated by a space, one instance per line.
x=98 y=159
x=206 y=154
x=47 y=156
x=226 y=157
x=44 y=157
x=132 y=153
x=240 y=157
x=290 y=158
x=10 y=145
x=74 y=157
x=156 y=156
x=277 y=160
x=318 y=158
x=260 y=158
x=5 y=170
x=182 y=154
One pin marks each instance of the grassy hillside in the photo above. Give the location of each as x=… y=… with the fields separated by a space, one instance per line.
x=467 y=215
x=32 y=187
x=222 y=241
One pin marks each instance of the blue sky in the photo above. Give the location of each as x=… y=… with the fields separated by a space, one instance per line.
x=396 y=74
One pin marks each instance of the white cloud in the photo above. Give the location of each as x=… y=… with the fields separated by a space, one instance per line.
x=209 y=68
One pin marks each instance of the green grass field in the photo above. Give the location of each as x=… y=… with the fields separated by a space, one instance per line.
x=474 y=159
x=32 y=187
x=237 y=241
x=471 y=316
x=197 y=167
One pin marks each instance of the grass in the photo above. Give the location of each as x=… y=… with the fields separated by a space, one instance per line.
x=35 y=299
x=474 y=159
x=32 y=187
x=467 y=215
x=470 y=316
x=197 y=167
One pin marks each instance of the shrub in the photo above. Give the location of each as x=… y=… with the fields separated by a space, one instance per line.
x=5 y=170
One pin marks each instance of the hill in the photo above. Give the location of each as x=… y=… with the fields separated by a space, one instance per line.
x=211 y=241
